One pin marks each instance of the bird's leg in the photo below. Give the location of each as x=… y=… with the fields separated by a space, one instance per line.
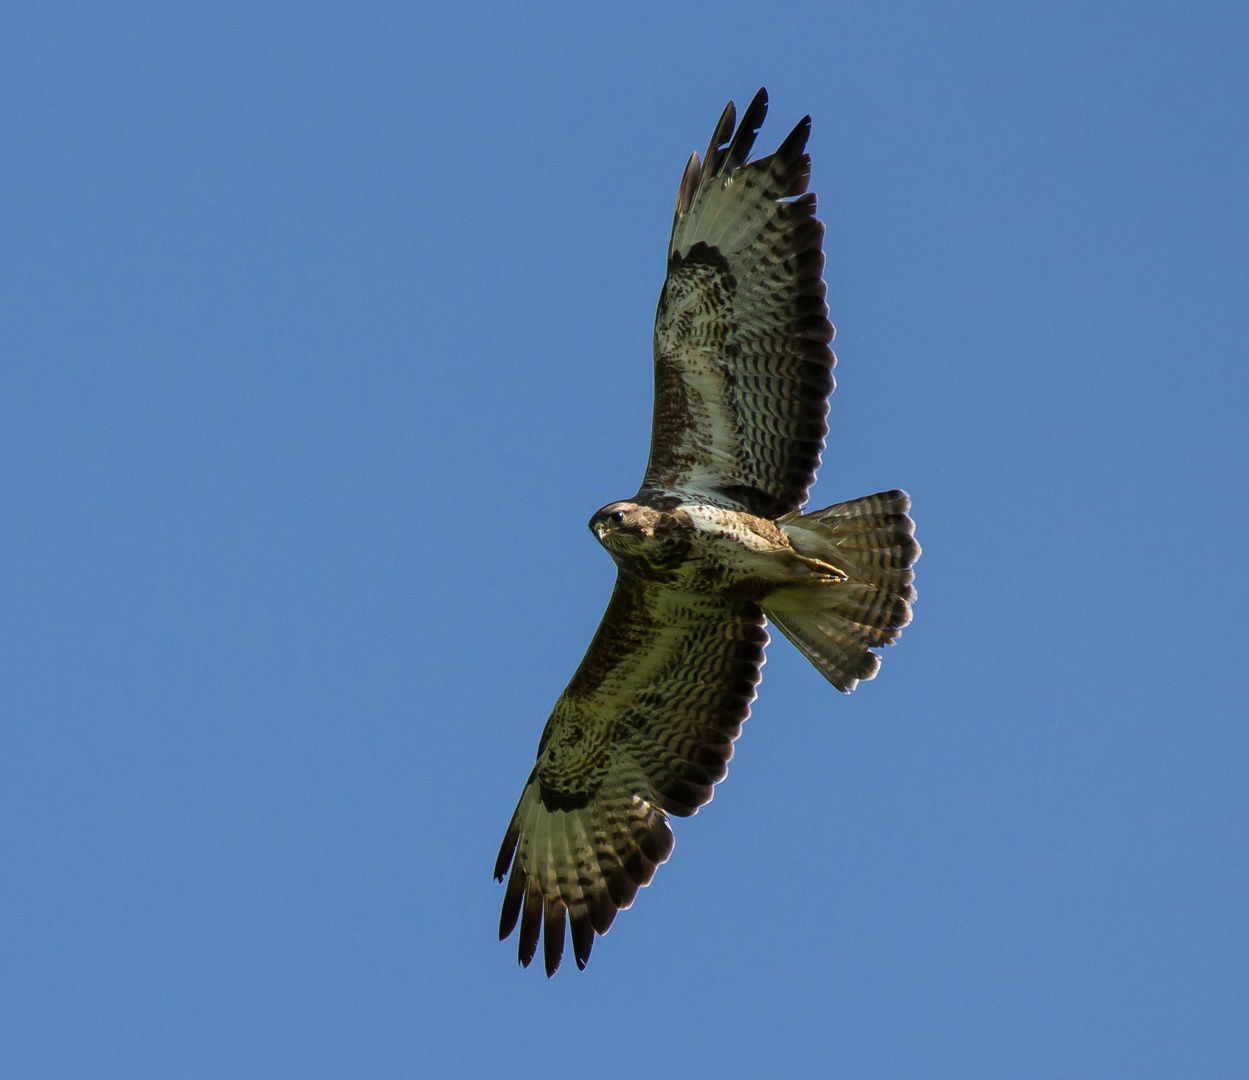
x=825 y=573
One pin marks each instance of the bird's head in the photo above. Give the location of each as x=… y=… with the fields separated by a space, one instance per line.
x=621 y=526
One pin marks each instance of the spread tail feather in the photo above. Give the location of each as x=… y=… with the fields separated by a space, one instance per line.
x=872 y=541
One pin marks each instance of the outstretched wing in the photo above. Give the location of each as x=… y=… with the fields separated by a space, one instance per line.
x=644 y=730
x=742 y=364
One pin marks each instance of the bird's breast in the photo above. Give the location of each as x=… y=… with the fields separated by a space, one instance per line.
x=708 y=549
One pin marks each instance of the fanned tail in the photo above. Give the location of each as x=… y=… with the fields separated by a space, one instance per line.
x=872 y=541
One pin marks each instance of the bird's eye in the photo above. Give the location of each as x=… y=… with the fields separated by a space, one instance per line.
x=617 y=516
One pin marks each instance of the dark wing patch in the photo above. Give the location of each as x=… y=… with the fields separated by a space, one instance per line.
x=645 y=729
x=743 y=368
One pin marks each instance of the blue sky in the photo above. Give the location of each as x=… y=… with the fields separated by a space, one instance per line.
x=324 y=329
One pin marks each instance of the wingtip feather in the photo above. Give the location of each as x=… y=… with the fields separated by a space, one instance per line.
x=512 y=898
x=508 y=848
x=796 y=141
x=582 y=937
x=689 y=185
x=720 y=138
x=747 y=130
x=530 y=925
x=553 y=936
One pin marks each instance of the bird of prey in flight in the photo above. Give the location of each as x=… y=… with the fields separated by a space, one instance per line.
x=712 y=547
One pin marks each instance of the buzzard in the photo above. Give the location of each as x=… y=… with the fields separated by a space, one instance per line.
x=710 y=549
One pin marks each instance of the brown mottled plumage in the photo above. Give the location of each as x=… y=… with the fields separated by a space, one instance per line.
x=710 y=548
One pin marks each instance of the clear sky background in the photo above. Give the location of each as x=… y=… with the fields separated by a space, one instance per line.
x=323 y=331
